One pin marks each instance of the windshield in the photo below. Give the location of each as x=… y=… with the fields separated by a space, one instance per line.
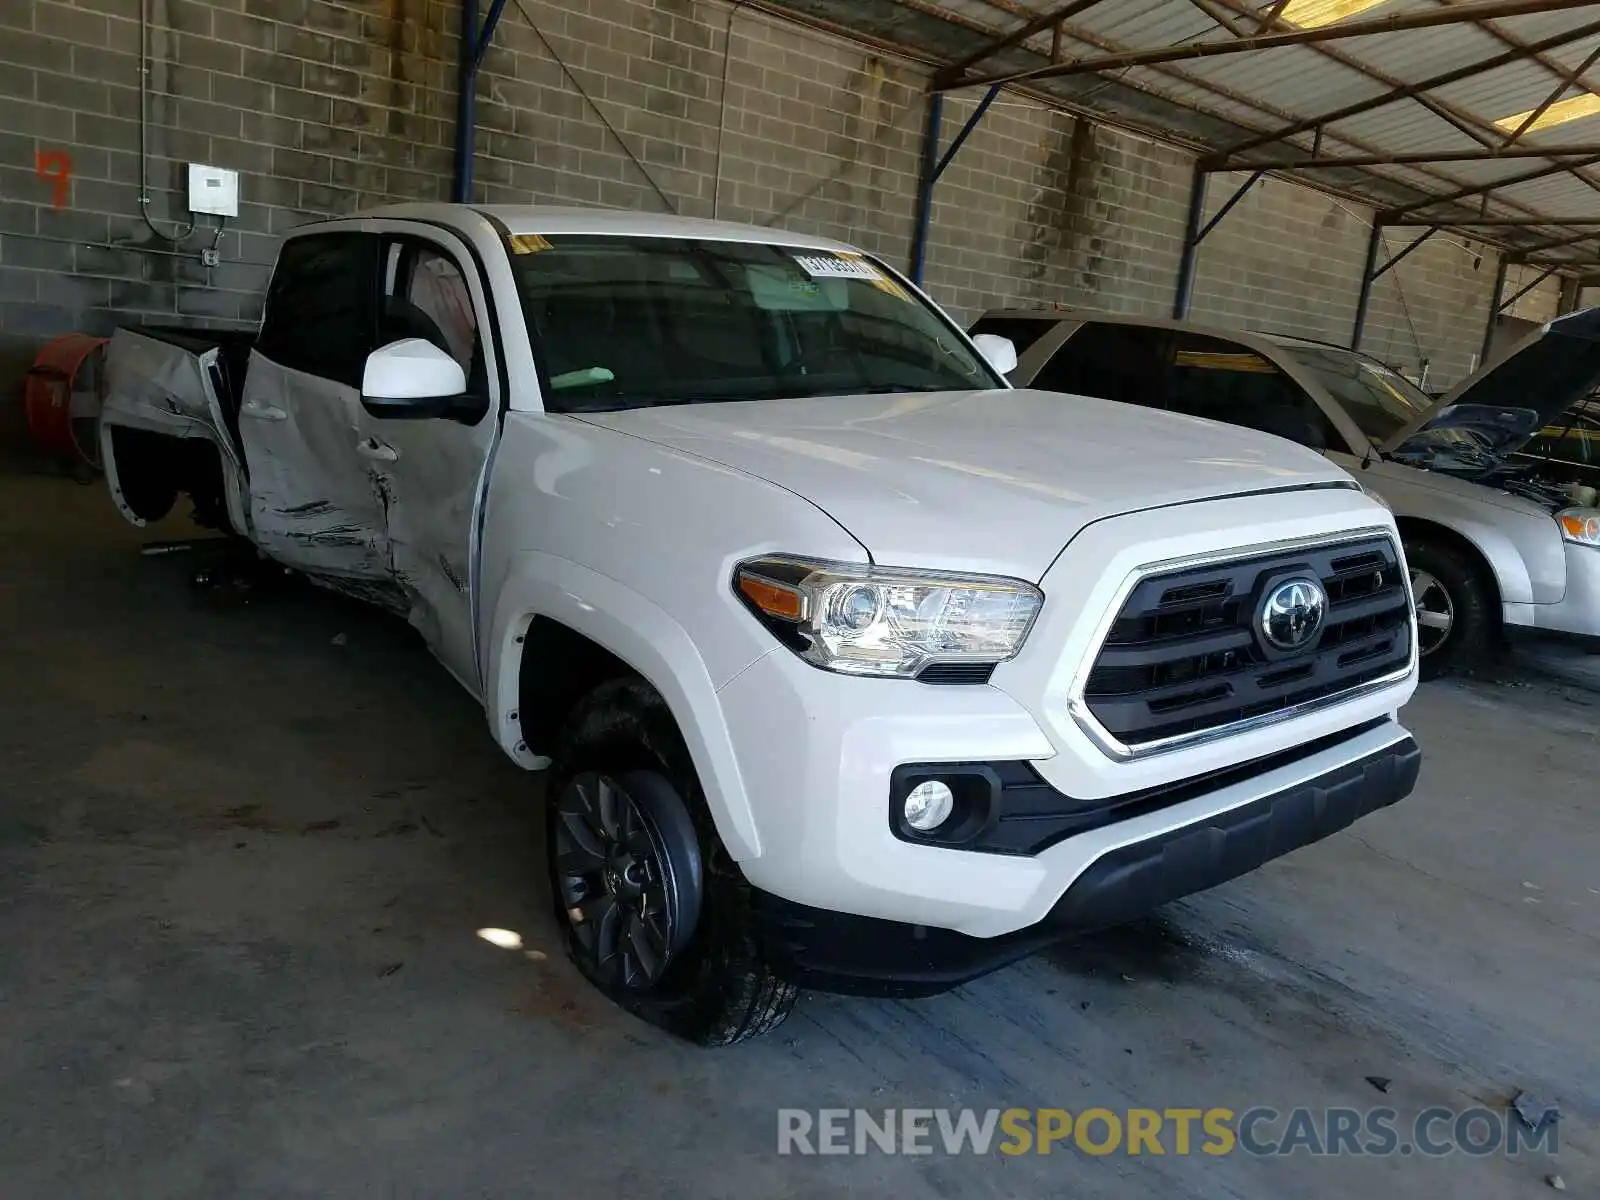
x=1380 y=401
x=624 y=322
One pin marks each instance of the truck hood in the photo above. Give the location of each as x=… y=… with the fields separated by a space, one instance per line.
x=993 y=481
x=1498 y=409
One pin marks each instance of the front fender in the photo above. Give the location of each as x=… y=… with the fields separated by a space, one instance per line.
x=643 y=635
x=1519 y=542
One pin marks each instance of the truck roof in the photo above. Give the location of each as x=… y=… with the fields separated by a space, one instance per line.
x=536 y=218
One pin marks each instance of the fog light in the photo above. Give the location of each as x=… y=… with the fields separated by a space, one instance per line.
x=928 y=805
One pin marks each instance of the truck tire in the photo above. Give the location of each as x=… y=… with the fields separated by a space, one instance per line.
x=1456 y=619
x=658 y=879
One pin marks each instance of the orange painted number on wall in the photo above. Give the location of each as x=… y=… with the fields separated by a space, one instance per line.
x=56 y=166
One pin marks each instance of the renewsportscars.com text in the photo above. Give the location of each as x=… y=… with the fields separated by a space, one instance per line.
x=1260 y=1131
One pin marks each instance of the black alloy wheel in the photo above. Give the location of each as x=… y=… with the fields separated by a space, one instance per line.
x=628 y=907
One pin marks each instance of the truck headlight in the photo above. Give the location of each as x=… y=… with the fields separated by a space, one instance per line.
x=865 y=620
x=1581 y=525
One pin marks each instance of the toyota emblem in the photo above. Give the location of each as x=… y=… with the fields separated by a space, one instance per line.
x=1292 y=614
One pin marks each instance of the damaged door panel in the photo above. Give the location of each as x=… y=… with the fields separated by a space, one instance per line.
x=313 y=504
x=168 y=425
x=430 y=471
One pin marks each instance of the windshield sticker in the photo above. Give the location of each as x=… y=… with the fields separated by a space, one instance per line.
x=529 y=243
x=830 y=266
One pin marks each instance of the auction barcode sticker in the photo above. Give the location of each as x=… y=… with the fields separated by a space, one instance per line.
x=826 y=266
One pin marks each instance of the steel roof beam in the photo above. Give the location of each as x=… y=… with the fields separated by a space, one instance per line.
x=1510 y=181
x=1475 y=127
x=1455 y=14
x=1423 y=157
x=950 y=76
x=1549 y=64
x=1328 y=50
x=1489 y=222
x=1555 y=244
x=1271 y=16
x=1220 y=17
x=1556 y=93
x=1405 y=92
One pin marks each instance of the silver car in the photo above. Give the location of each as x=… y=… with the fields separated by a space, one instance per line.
x=1500 y=538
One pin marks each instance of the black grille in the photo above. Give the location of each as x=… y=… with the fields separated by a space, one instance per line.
x=1184 y=656
x=956 y=673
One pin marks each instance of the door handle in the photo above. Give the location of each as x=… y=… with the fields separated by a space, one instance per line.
x=262 y=412
x=376 y=450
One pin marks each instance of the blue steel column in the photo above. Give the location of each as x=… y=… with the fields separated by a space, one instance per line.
x=929 y=175
x=1369 y=274
x=1495 y=305
x=474 y=45
x=932 y=170
x=1191 y=244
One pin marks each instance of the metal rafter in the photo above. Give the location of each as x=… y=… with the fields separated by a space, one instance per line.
x=1219 y=16
x=1017 y=9
x=1479 y=131
x=1549 y=64
x=1015 y=38
x=1560 y=89
x=1424 y=157
x=1494 y=222
x=1399 y=92
x=1555 y=244
x=1493 y=141
x=1477 y=11
x=1487 y=189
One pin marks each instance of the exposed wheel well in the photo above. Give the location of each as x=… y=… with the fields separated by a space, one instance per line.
x=153 y=468
x=1414 y=529
x=559 y=667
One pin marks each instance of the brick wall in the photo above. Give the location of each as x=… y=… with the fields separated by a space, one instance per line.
x=325 y=106
x=1289 y=259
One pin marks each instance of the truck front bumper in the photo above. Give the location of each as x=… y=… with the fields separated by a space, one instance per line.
x=817 y=755
x=834 y=951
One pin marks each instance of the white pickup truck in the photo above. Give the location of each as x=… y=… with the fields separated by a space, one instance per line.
x=851 y=666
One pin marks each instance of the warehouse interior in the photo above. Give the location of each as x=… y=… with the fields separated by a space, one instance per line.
x=251 y=838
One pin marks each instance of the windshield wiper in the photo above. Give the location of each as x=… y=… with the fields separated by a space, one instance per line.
x=882 y=389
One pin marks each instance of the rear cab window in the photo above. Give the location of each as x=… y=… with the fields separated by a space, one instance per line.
x=322 y=313
x=1110 y=362
x=1225 y=381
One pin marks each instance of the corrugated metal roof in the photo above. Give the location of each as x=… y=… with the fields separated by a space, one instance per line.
x=1218 y=103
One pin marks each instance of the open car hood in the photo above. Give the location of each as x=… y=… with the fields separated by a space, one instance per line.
x=1498 y=409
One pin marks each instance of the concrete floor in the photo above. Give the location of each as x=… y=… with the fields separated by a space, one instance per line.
x=244 y=850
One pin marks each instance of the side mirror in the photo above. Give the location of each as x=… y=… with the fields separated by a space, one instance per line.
x=999 y=352
x=411 y=378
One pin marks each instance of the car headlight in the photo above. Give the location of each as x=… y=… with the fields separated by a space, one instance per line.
x=1581 y=525
x=865 y=620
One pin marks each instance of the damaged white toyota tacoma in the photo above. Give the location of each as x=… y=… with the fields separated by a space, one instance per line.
x=850 y=665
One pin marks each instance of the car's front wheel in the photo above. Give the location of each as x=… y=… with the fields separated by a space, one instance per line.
x=1456 y=618
x=656 y=914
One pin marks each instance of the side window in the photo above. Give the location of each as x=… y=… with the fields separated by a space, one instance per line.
x=426 y=296
x=1113 y=362
x=321 y=313
x=1224 y=381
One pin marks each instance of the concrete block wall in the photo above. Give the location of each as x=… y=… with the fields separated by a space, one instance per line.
x=1288 y=259
x=327 y=106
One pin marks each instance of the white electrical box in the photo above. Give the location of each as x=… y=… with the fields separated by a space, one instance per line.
x=213 y=190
